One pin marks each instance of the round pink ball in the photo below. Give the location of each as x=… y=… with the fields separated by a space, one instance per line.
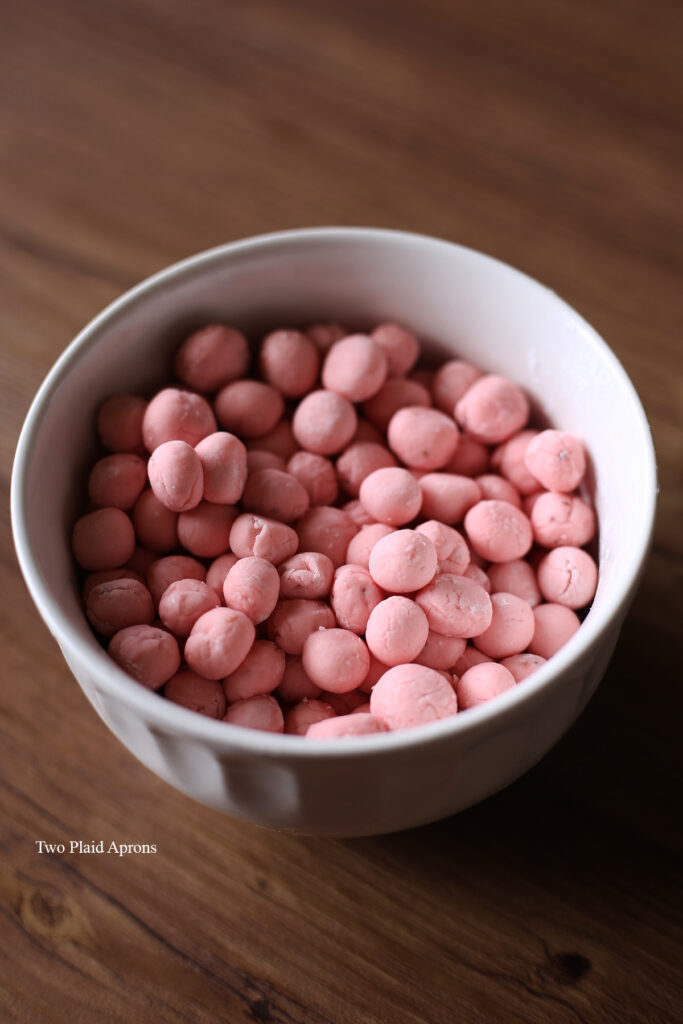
x=396 y=630
x=252 y=587
x=116 y=604
x=492 y=409
x=403 y=562
x=176 y=475
x=196 y=693
x=262 y=537
x=508 y=460
x=261 y=672
x=165 y=571
x=263 y=713
x=183 y=602
x=557 y=460
x=103 y=539
x=293 y=620
x=353 y=596
x=516 y=577
x=452 y=552
x=411 y=695
x=308 y=574
x=422 y=438
x=211 y=356
x=355 y=367
x=146 y=653
x=175 y=415
x=455 y=606
x=561 y=519
x=327 y=530
x=482 y=683
x=220 y=641
x=397 y=393
x=299 y=718
x=359 y=460
x=278 y=495
x=224 y=462
x=360 y=546
x=522 y=665
x=447 y=497
x=296 y=685
x=317 y=475
x=249 y=408
x=451 y=381
x=117 y=481
x=217 y=571
x=555 y=624
x=400 y=346
x=156 y=527
x=335 y=659
x=511 y=628
x=289 y=361
x=324 y=422
x=391 y=496
x=498 y=531
x=205 y=529
x=568 y=576
x=441 y=652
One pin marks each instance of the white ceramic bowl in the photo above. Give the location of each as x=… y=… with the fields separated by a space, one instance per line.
x=459 y=302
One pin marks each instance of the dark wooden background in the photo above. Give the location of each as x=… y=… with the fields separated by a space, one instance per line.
x=546 y=133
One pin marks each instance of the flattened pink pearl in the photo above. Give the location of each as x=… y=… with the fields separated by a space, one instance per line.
x=299 y=719
x=296 y=685
x=175 y=415
x=557 y=460
x=196 y=693
x=116 y=604
x=119 y=423
x=568 y=576
x=516 y=577
x=146 y=653
x=359 y=460
x=278 y=495
x=492 y=409
x=261 y=672
x=410 y=695
x=441 y=652
x=559 y=519
x=422 y=438
x=353 y=596
x=455 y=606
x=262 y=713
x=355 y=367
x=448 y=496
x=471 y=458
x=452 y=552
x=117 y=481
x=249 y=408
x=183 y=602
x=522 y=665
x=252 y=587
x=289 y=360
x=324 y=335
x=205 y=530
x=211 y=356
x=396 y=631
x=508 y=460
x=224 y=462
x=555 y=624
x=451 y=381
x=397 y=393
x=345 y=727
x=293 y=620
x=360 y=546
x=391 y=496
x=336 y=659
x=324 y=422
x=317 y=474
x=511 y=628
x=498 y=531
x=220 y=641
x=176 y=475
x=308 y=574
x=262 y=537
x=482 y=683
x=103 y=539
x=403 y=562
x=218 y=570
x=165 y=571
x=156 y=527
x=496 y=488
x=327 y=530
x=400 y=346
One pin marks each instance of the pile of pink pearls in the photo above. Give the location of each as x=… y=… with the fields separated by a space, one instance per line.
x=280 y=551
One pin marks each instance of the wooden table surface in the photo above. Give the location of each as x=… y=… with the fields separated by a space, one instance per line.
x=545 y=133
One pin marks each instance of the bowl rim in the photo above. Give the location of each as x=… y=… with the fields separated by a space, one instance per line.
x=248 y=742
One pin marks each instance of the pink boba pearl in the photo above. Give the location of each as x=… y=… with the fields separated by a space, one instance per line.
x=103 y=539
x=561 y=519
x=327 y=530
x=212 y=356
x=317 y=475
x=516 y=577
x=355 y=367
x=452 y=552
x=116 y=604
x=107 y=576
x=492 y=409
x=422 y=438
x=400 y=346
x=176 y=475
x=397 y=393
x=353 y=596
x=498 y=531
x=196 y=693
x=470 y=656
x=396 y=631
x=296 y=684
x=146 y=653
x=511 y=628
x=117 y=481
x=403 y=562
x=555 y=624
x=256 y=459
x=224 y=462
x=293 y=620
x=471 y=458
x=307 y=574
x=411 y=695
x=278 y=495
x=391 y=496
x=324 y=422
x=324 y=335
x=344 y=703
x=345 y=727
x=279 y=441
x=156 y=527
x=248 y=408
x=263 y=713
x=357 y=513
x=205 y=530
x=119 y=423
x=183 y=602
x=522 y=665
x=289 y=361
x=299 y=719
x=335 y=659
x=497 y=488
x=165 y=571
x=359 y=460
x=451 y=381
x=481 y=683
x=217 y=571
x=220 y=641
x=261 y=672
x=568 y=576
x=455 y=606
x=447 y=497
x=360 y=546
x=252 y=587
x=441 y=652
x=262 y=537
x=175 y=415
x=477 y=574
x=508 y=460
x=557 y=460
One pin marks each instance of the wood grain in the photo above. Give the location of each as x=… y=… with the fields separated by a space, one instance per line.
x=135 y=133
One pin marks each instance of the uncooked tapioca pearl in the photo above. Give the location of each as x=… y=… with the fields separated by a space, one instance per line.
x=296 y=685
x=451 y=381
x=555 y=624
x=492 y=409
x=358 y=461
x=344 y=703
x=293 y=620
x=346 y=727
x=516 y=577
x=117 y=481
x=299 y=718
x=183 y=602
x=212 y=356
x=556 y=459
x=94 y=579
x=290 y=361
x=324 y=335
x=257 y=459
x=391 y=496
x=279 y=441
x=403 y=562
x=265 y=538
x=360 y=546
x=217 y=571
x=119 y=423
x=278 y=495
x=146 y=653
x=511 y=628
x=470 y=656
x=115 y=604
x=220 y=641
x=441 y=652
x=156 y=527
x=446 y=497
x=397 y=393
x=317 y=475
x=224 y=462
x=176 y=475
x=252 y=587
x=175 y=415
x=249 y=408
x=103 y=539
x=422 y=438
x=335 y=659
x=400 y=346
x=396 y=631
x=455 y=606
x=262 y=713
x=307 y=574
x=205 y=530
x=522 y=665
x=560 y=519
x=471 y=458
x=410 y=695
x=196 y=693
x=496 y=488
x=327 y=530
x=261 y=672
x=165 y=571
x=355 y=367
x=568 y=576
x=452 y=552
x=481 y=683
x=498 y=531
x=324 y=422
x=353 y=596
x=357 y=513
x=508 y=460
x=476 y=573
